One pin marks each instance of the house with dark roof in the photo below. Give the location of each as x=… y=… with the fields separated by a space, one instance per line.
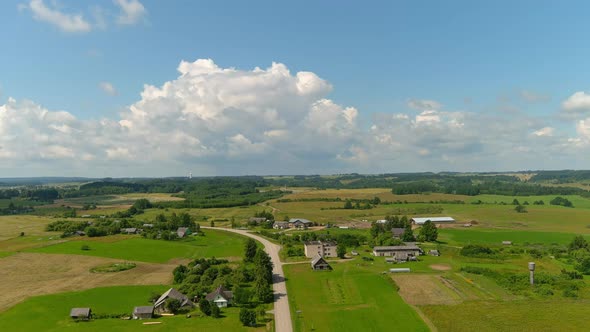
x=81 y=313
x=397 y=232
x=220 y=296
x=408 y=252
x=143 y=312
x=299 y=223
x=319 y=263
x=160 y=305
x=257 y=220
x=281 y=225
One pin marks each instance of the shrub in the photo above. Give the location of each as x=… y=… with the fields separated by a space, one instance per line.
x=248 y=317
x=215 y=312
x=85 y=247
x=205 y=307
x=536 y=253
x=544 y=290
x=476 y=250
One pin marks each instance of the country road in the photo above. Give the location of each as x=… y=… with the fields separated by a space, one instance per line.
x=281 y=304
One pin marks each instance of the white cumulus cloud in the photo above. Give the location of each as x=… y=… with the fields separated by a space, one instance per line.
x=215 y=120
x=67 y=22
x=132 y=11
x=579 y=102
x=108 y=88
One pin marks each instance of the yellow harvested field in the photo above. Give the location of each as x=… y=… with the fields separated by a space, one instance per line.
x=30 y=274
x=152 y=197
x=12 y=226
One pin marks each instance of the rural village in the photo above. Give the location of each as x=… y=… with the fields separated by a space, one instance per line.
x=188 y=260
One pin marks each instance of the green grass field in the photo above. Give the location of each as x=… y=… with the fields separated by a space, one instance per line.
x=51 y=313
x=347 y=299
x=510 y=316
x=135 y=248
x=462 y=236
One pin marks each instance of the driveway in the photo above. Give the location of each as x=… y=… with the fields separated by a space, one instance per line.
x=281 y=304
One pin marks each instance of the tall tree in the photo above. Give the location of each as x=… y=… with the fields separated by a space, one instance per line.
x=205 y=306
x=341 y=250
x=428 y=231
x=263 y=264
x=408 y=234
x=250 y=250
x=262 y=290
x=215 y=312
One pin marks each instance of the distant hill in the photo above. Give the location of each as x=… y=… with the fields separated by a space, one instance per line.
x=32 y=181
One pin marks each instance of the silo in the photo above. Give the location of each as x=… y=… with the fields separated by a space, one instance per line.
x=532 y=271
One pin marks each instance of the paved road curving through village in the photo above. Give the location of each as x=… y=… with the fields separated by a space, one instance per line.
x=281 y=305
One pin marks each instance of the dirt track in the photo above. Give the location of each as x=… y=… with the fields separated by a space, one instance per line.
x=30 y=274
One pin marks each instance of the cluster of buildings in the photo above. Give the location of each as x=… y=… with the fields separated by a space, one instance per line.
x=299 y=223
x=220 y=296
x=317 y=250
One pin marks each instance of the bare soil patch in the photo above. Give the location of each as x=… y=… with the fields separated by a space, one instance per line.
x=30 y=274
x=440 y=267
x=425 y=289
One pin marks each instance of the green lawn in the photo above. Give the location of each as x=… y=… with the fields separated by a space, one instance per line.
x=347 y=299
x=50 y=313
x=135 y=248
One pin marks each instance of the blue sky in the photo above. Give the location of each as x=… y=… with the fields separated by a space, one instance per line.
x=504 y=66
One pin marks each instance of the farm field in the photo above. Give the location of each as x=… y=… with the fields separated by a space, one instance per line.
x=134 y=248
x=51 y=312
x=124 y=199
x=12 y=226
x=473 y=235
x=347 y=299
x=29 y=274
x=355 y=296
x=522 y=315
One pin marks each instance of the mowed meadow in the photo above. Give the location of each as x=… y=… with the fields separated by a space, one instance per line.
x=347 y=299
x=134 y=248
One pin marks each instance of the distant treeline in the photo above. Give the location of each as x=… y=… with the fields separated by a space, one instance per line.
x=41 y=194
x=495 y=187
x=565 y=176
x=198 y=193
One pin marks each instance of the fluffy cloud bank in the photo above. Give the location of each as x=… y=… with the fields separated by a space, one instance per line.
x=213 y=120
x=210 y=118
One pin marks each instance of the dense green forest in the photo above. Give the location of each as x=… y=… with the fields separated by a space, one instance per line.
x=208 y=192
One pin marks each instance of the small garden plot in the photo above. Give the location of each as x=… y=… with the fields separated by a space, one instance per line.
x=113 y=267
